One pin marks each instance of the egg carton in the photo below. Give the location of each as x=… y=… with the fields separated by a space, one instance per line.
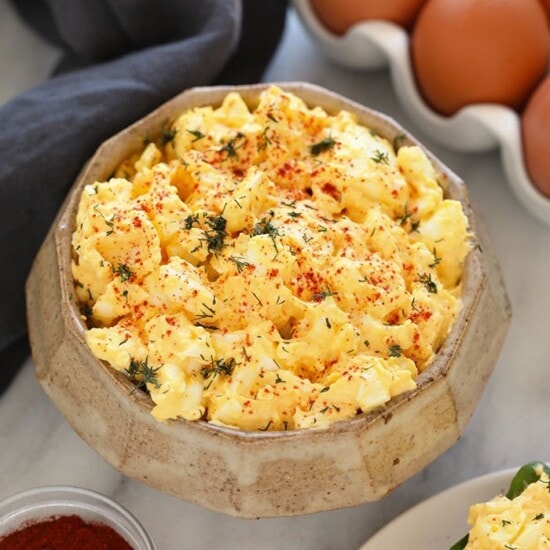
x=475 y=128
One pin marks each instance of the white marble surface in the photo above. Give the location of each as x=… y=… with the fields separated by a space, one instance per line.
x=510 y=425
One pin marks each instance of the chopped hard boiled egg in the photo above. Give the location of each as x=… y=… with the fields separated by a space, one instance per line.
x=269 y=269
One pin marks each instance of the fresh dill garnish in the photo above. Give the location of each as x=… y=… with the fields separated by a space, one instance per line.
x=190 y=221
x=437 y=260
x=322 y=146
x=206 y=326
x=267 y=426
x=197 y=135
x=265 y=227
x=215 y=235
x=294 y=214
x=327 y=322
x=380 y=157
x=123 y=271
x=278 y=379
x=320 y=296
x=142 y=373
x=406 y=215
x=239 y=262
x=428 y=282
x=414 y=225
x=108 y=223
x=233 y=145
x=215 y=241
x=326 y=388
x=167 y=135
x=395 y=350
x=217 y=368
x=216 y=223
x=258 y=299
x=246 y=356
x=265 y=140
x=206 y=312
x=271 y=117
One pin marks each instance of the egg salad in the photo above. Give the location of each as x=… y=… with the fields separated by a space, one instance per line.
x=269 y=268
x=522 y=523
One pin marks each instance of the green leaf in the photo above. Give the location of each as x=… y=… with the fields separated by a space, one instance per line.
x=526 y=475
x=461 y=543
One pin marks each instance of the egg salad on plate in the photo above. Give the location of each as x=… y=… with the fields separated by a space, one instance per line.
x=515 y=521
x=271 y=267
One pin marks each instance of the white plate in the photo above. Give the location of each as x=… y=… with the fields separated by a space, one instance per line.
x=440 y=521
x=479 y=127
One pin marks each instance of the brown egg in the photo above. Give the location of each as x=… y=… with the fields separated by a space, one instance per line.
x=476 y=51
x=340 y=15
x=535 y=128
x=546 y=6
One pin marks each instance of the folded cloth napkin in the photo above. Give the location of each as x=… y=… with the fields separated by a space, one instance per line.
x=123 y=59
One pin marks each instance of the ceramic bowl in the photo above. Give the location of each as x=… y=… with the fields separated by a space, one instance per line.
x=475 y=128
x=261 y=474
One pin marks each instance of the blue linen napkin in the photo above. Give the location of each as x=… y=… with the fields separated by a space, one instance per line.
x=122 y=59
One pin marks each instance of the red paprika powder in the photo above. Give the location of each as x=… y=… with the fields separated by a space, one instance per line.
x=64 y=533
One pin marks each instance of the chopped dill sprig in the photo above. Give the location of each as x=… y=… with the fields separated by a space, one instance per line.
x=123 y=271
x=141 y=373
x=320 y=296
x=218 y=368
x=233 y=145
x=239 y=262
x=197 y=135
x=395 y=350
x=322 y=146
x=380 y=157
x=428 y=282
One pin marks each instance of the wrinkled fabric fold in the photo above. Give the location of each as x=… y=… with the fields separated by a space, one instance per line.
x=135 y=57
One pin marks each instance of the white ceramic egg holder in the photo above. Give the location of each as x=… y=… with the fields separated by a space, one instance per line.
x=476 y=128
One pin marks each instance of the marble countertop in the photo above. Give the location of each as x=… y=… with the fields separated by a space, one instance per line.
x=509 y=427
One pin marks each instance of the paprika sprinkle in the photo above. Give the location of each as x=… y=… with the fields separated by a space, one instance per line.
x=64 y=533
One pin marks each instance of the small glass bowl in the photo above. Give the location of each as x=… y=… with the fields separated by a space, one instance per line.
x=44 y=502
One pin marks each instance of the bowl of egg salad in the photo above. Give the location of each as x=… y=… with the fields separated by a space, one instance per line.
x=267 y=300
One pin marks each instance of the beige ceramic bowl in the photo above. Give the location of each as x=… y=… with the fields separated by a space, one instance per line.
x=260 y=474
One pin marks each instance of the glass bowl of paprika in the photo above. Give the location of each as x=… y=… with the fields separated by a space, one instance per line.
x=68 y=518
